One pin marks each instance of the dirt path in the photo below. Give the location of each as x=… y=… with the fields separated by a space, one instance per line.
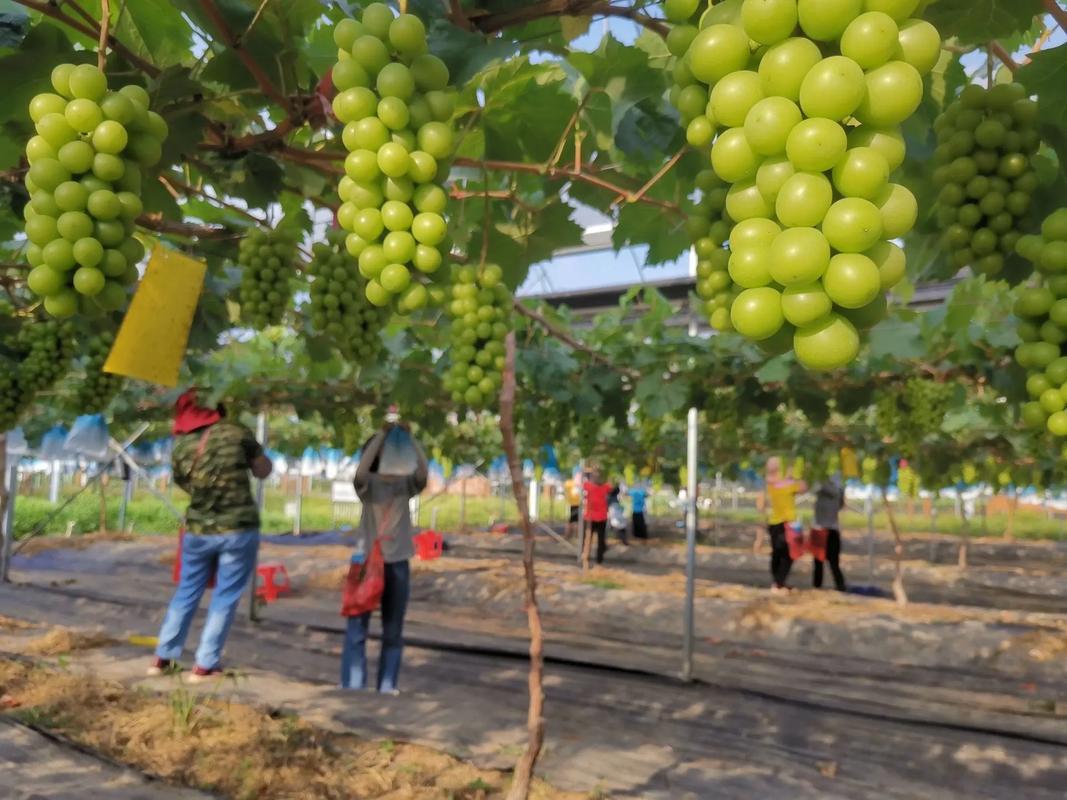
x=762 y=722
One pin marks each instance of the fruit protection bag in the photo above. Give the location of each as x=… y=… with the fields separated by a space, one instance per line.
x=88 y=437
x=398 y=456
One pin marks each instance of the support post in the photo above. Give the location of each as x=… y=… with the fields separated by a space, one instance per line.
x=582 y=562
x=299 y=502
x=869 y=508
x=127 y=495
x=688 y=633
x=690 y=545
x=10 y=472
x=534 y=501
x=261 y=486
x=53 y=486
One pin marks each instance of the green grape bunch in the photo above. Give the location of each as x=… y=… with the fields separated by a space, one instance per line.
x=338 y=306
x=1041 y=310
x=479 y=311
x=802 y=105
x=87 y=160
x=267 y=258
x=97 y=389
x=926 y=402
x=41 y=352
x=47 y=348
x=888 y=418
x=985 y=142
x=396 y=105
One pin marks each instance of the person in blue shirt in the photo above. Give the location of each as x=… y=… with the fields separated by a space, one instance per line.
x=638 y=495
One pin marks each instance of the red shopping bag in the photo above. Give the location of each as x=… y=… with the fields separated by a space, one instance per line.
x=817 y=543
x=364 y=585
x=794 y=537
x=176 y=570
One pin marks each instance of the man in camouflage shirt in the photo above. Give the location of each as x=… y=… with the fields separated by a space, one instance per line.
x=212 y=459
x=220 y=494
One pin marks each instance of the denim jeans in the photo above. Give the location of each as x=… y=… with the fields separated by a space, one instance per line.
x=354 y=655
x=233 y=555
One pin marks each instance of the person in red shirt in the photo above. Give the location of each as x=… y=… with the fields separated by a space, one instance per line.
x=596 y=511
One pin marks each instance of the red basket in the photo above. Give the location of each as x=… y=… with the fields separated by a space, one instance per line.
x=428 y=545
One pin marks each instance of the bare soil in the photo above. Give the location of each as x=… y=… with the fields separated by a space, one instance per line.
x=209 y=742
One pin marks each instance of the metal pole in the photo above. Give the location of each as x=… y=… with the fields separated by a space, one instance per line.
x=581 y=511
x=869 y=508
x=463 y=504
x=53 y=486
x=690 y=544
x=533 y=501
x=8 y=521
x=691 y=512
x=261 y=437
x=127 y=495
x=299 y=502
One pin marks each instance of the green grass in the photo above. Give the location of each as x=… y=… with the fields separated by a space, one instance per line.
x=148 y=514
x=1029 y=524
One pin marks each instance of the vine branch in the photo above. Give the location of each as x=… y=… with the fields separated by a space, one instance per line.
x=997 y=49
x=105 y=27
x=1057 y=13
x=569 y=340
x=48 y=9
x=257 y=72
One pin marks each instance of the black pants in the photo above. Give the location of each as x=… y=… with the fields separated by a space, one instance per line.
x=640 y=528
x=573 y=514
x=781 y=562
x=833 y=555
x=600 y=528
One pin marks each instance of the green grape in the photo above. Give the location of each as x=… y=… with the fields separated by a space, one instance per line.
x=399 y=137
x=96 y=390
x=338 y=306
x=268 y=261
x=479 y=308
x=979 y=150
x=85 y=187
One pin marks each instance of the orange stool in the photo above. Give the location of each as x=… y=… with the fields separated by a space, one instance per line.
x=428 y=545
x=272 y=581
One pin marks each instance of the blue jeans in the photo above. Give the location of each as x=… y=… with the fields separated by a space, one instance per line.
x=233 y=554
x=354 y=655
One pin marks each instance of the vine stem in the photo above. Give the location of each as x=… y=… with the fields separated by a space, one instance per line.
x=105 y=29
x=1057 y=13
x=535 y=718
x=257 y=72
x=50 y=10
x=565 y=173
x=997 y=49
x=569 y=340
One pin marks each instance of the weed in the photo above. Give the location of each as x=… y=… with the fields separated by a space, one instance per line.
x=603 y=583
x=388 y=746
x=479 y=785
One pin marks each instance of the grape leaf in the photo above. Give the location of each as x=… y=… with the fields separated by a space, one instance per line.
x=979 y=21
x=1046 y=76
x=155 y=30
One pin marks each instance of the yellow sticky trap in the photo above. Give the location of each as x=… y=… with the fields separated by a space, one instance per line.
x=143 y=641
x=151 y=342
x=849 y=463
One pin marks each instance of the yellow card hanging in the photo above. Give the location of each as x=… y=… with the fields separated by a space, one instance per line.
x=151 y=342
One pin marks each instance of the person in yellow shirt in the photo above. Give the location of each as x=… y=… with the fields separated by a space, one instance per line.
x=781 y=509
x=573 y=495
